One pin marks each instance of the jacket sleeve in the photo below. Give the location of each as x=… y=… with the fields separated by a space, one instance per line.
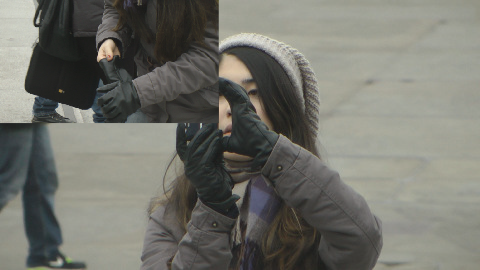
x=109 y=20
x=195 y=69
x=351 y=234
x=205 y=245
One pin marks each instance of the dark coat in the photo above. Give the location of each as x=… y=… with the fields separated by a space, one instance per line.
x=87 y=16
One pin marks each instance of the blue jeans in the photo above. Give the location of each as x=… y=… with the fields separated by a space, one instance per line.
x=27 y=163
x=43 y=106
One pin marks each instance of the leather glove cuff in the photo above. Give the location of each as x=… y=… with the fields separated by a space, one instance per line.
x=227 y=208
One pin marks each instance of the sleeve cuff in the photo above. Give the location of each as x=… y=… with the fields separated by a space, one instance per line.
x=282 y=158
x=206 y=219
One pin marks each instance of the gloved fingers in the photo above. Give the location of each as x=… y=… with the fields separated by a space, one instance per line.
x=107 y=88
x=181 y=141
x=197 y=147
x=114 y=114
x=234 y=93
x=192 y=129
x=213 y=151
x=118 y=112
x=228 y=177
x=109 y=121
x=119 y=118
x=110 y=112
x=108 y=106
x=105 y=99
x=225 y=144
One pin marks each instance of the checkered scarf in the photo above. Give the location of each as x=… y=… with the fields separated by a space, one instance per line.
x=259 y=206
x=129 y=4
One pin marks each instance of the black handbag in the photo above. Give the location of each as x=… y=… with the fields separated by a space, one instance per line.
x=55 y=29
x=69 y=82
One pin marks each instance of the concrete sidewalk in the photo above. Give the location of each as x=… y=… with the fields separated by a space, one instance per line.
x=17 y=36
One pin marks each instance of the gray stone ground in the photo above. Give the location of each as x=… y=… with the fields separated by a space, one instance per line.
x=400 y=121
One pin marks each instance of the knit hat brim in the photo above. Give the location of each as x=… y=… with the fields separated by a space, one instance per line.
x=295 y=65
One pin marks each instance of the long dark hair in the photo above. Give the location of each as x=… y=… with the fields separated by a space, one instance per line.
x=290 y=242
x=178 y=24
x=278 y=96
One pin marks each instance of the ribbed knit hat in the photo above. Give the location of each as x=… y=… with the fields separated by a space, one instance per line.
x=295 y=65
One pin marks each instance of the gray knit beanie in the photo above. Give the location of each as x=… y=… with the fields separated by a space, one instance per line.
x=295 y=65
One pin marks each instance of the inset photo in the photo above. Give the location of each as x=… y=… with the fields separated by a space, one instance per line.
x=113 y=61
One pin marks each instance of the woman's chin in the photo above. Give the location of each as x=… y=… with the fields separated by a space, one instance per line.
x=236 y=157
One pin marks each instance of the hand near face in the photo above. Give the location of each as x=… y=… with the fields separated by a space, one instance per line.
x=250 y=136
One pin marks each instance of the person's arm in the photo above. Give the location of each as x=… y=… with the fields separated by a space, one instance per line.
x=122 y=38
x=195 y=69
x=351 y=234
x=161 y=242
x=205 y=245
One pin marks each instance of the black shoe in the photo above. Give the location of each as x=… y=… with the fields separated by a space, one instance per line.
x=51 y=118
x=60 y=262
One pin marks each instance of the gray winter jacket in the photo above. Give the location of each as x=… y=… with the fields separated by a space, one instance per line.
x=185 y=90
x=351 y=234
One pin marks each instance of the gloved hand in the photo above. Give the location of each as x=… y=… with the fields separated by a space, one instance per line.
x=204 y=167
x=113 y=72
x=250 y=136
x=120 y=100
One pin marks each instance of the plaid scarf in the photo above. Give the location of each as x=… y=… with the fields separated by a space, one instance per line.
x=259 y=206
x=128 y=4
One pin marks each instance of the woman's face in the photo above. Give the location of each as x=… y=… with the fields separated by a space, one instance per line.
x=235 y=70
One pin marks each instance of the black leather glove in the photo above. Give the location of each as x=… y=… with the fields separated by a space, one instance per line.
x=112 y=70
x=120 y=100
x=189 y=132
x=204 y=167
x=250 y=136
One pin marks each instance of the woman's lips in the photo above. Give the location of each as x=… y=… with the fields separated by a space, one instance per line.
x=227 y=129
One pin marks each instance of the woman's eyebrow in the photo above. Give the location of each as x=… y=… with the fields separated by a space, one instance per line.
x=248 y=81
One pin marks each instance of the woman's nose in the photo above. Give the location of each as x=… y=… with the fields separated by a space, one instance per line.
x=224 y=108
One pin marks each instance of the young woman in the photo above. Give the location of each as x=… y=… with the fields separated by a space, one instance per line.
x=176 y=44
x=268 y=202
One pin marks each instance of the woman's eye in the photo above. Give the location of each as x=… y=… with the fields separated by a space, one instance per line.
x=252 y=92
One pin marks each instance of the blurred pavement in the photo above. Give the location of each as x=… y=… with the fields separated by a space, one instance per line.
x=107 y=175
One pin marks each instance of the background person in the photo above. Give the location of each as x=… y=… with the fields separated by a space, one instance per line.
x=27 y=165
x=176 y=56
x=87 y=16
